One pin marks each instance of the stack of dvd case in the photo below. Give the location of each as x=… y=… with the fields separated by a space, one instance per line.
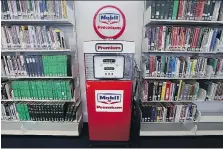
x=175 y=38
x=201 y=10
x=32 y=37
x=182 y=90
x=36 y=65
x=31 y=111
x=168 y=112
x=182 y=66
x=8 y=111
x=35 y=9
x=213 y=89
x=42 y=89
x=5 y=90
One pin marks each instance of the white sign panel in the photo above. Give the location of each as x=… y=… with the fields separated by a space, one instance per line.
x=109 y=47
x=109 y=100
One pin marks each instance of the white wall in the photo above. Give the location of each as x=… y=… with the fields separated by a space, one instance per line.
x=84 y=12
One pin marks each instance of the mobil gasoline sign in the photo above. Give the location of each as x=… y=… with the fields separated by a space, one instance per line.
x=109 y=22
x=109 y=100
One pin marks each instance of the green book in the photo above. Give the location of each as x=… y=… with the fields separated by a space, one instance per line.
x=59 y=90
x=26 y=112
x=41 y=89
x=53 y=90
x=34 y=89
x=50 y=91
x=63 y=90
x=175 y=9
x=14 y=88
x=30 y=89
x=23 y=111
x=18 y=110
x=37 y=90
x=52 y=65
x=19 y=89
x=27 y=89
x=21 y=96
x=59 y=63
x=44 y=65
x=49 y=65
x=45 y=90
x=68 y=90
x=23 y=84
x=65 y=65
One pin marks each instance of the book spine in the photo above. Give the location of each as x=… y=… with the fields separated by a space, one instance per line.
x=163 y=91
x=175 y=9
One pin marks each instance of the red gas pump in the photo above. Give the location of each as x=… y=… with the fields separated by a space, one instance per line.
x=109 y=69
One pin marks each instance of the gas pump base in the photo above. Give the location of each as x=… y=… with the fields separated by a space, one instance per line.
x=109 y=69
x=109 y=144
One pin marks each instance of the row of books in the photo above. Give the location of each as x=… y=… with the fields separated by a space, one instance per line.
x=179 y=90
x=207 y=10
x=168 y=112
x=35 y=65
x=182 y=66
x=35 y=9
x=28 y=111
x=39 y=90
x=32 y=37
x=173 y=38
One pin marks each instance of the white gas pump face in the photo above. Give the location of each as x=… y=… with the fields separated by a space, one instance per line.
x=109 y=60
x=109 y=66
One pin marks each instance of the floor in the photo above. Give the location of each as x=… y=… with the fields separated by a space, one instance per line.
x=9 y=141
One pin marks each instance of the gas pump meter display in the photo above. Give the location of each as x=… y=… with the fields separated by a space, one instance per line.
x=109 y=66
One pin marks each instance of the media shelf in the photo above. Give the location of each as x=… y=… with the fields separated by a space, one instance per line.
x=37 y=77
x=185 y=101
x=51 y=22
x=42 y=128
x=36 y=51
x=40 y=100
x=186 y=78
x=183 y=22
x=52 y=38
x=165 y=129
x=158 y=46
x=184 y=52
x=211 y=117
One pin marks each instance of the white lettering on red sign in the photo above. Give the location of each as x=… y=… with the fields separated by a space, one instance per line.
x=109 y=22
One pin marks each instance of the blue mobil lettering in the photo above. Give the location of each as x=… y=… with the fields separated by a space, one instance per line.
x=109 y=18
x=108 y=98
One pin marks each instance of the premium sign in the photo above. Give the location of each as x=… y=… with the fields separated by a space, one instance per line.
x=109 y=22
x=109 y=100
x=102 y=47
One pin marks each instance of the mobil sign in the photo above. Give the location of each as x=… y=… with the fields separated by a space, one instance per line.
x=109 y=22
x=109 y=100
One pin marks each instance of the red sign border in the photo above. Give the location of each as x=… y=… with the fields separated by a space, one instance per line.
x=119 y=33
